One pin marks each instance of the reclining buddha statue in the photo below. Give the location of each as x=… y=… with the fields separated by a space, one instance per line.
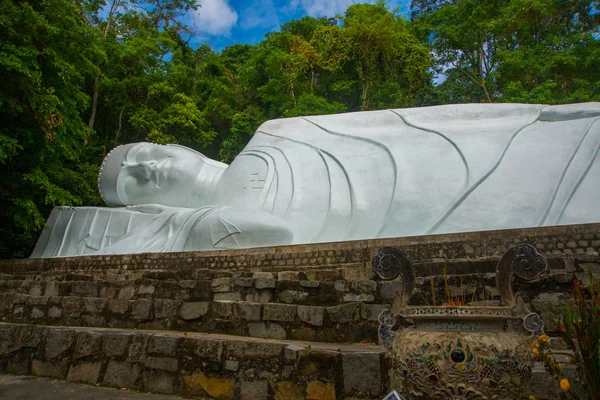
x=374 y=174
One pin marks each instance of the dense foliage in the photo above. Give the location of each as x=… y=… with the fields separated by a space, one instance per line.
x=81 y=76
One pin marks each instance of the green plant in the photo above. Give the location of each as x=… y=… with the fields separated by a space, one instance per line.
x=579 y=327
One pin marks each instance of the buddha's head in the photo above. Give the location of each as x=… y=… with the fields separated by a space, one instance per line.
x=146 y=173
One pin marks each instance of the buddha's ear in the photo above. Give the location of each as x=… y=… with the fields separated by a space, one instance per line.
x=109 y=172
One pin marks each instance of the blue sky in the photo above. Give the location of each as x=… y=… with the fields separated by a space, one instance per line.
x=221 y=23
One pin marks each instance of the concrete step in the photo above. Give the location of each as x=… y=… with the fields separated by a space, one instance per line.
x=348 y=322
x=195 y=364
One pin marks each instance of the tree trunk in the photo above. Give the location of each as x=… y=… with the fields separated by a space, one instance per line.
x=113 y=9
x=94 y=101
x=119 y=126
x=365 y=96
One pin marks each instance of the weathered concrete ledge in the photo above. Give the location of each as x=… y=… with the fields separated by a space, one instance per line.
x=563 y=240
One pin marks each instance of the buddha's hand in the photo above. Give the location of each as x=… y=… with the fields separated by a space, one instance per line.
x=231 y=228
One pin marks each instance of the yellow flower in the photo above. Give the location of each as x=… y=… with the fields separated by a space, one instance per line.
x=565 y=385
x=532 y=397
x=544 y=339
x=534 y=344
x=536 y=352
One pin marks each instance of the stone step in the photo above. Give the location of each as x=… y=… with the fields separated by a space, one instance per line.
x=195 y=364
x=207 y=365
x=349 y=322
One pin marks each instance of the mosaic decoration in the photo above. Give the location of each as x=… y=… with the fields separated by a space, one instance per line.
x=465 y=352
x=441 y=365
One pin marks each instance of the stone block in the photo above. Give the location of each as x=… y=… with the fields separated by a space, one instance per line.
x=146 y=289
x=232 y=365
x=52 y=369
x=247 y=311
x=287 y=390
x=371 y=312
x=326 y=275
x=203 y=290
x=199 y=384
x=165 y=308
x=209 y=349
x=194 y=310
x=310 y=284
x=222 y=309
x=279 y=312
x=121 y=374
x=262 y=275
x=51 y=289
x=342 y=286
x=244 y=282
x=58 y=341
x=142 y=309
x=292 y=296
x=11 y=338
x=35 y=289
x=254 y=350
x=137 y=348
x=361 y=373
x=108 y=292
x=265 y=283
x=364 y=286
x=254 y=390
x=19 y=298
x=118 y=306
x=88 y=343
x=353 y=297
x=114 y=344
x=311 y=314
x=353 y=273
x=228 y=296
x=162 y=363
x=288 y=276
x=86 y=372
x=222 y=285
x=36 y=313
x=163 y=345
x=84 y=288
x=344 y=312
x=291 y=352
x=5 y=301
x=126 y=293
x=316 y=390
x=94 y=320
x=54 y=312
x=37 y=300
x=94 y=305
x=159 y=382
x=266 y=330
x=72 y=306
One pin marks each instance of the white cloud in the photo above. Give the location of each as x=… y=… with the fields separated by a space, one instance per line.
x=215 y=17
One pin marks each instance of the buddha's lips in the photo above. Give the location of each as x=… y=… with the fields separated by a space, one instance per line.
x=160 y=169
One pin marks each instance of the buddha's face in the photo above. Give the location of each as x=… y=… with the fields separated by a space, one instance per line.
x=170 y=175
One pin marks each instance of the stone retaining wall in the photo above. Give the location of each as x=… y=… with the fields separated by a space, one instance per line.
x=219 y=367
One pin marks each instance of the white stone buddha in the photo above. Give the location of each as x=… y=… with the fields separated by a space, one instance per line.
x=363 y=175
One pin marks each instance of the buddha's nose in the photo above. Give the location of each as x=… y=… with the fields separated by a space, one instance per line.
x=141 y=170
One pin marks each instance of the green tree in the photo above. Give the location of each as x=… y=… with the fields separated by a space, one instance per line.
x=46 y=53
